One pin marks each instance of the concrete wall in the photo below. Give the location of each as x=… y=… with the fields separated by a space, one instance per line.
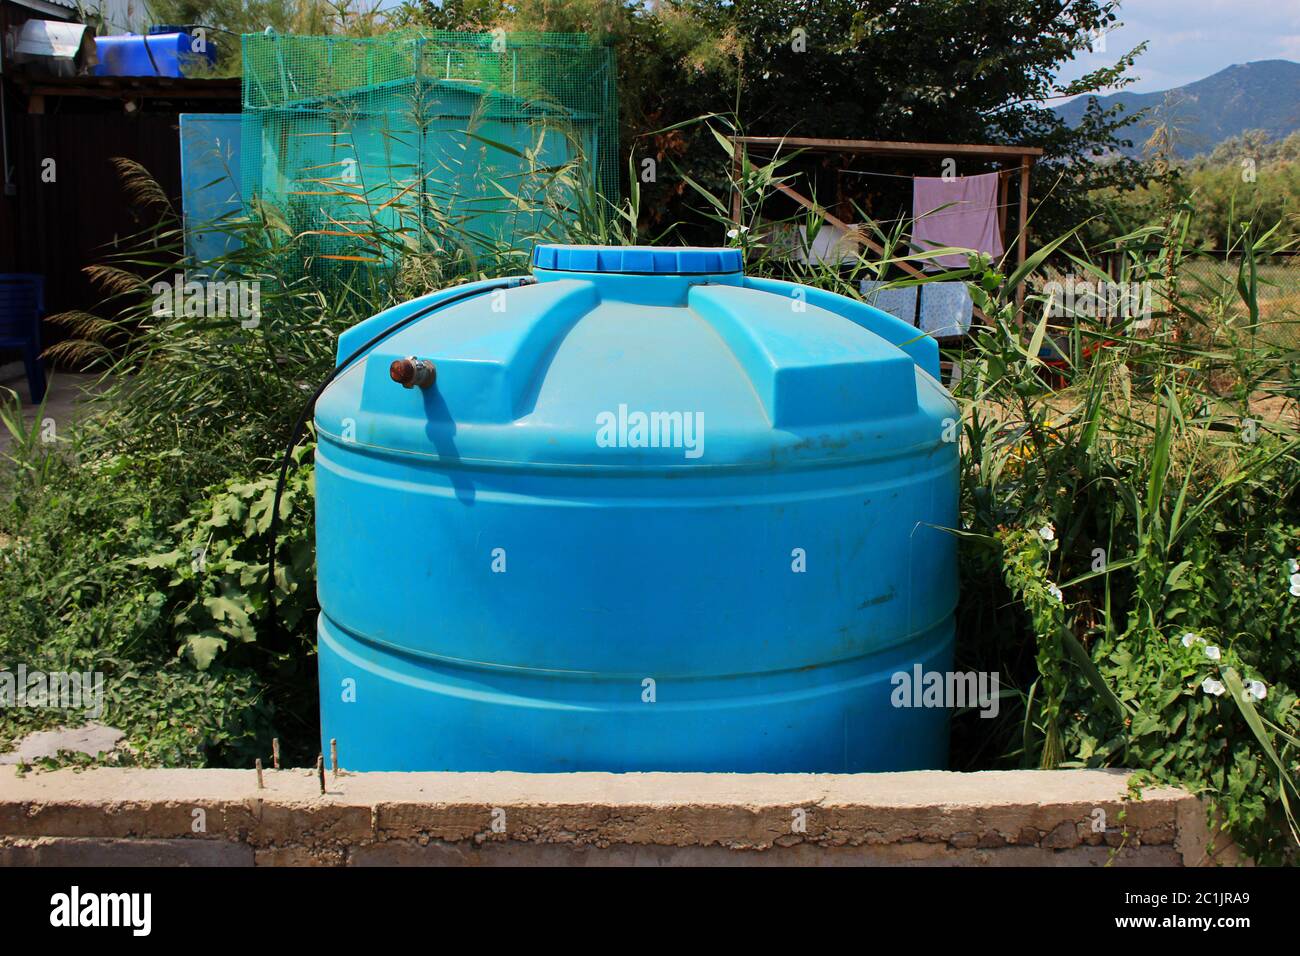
x=221 y=818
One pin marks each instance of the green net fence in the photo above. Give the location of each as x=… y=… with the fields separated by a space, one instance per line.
x=429 y=149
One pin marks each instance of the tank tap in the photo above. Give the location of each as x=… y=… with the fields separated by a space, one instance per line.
x=412 y=372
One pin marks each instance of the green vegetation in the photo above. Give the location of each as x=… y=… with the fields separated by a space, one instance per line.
x=1129 y=555
x=1246 y=178
x=1130 y=543
x=137 y=546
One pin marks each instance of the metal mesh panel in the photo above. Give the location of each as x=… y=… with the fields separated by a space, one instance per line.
x=1277 y=293
x=448 y=146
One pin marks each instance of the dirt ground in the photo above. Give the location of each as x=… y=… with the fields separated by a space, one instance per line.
x=64 y=393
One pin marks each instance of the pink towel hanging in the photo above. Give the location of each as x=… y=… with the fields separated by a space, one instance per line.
x=962 y=211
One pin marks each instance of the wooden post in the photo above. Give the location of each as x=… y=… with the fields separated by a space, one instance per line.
x=1022 y=241
x=1004 y=187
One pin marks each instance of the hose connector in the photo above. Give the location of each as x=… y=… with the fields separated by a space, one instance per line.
x=412 y=372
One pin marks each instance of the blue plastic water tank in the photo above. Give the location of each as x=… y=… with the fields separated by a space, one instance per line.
x=158 y=54
x=651 y=514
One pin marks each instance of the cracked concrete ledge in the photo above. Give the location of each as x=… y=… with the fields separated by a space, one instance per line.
x=219 y=817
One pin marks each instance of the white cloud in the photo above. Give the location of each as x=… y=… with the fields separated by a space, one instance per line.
x=1288 y=46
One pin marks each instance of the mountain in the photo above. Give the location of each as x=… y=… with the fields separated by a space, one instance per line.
x=1261 y=95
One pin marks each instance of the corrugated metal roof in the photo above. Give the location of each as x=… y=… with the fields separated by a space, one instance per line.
x=47 y=6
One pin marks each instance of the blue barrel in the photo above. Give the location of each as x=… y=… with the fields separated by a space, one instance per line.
x=158 y=54
x=644 y=513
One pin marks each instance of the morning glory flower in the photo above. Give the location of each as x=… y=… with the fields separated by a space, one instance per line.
x=1055 y=592
x=1047 y=533
x=1293 y=566
x=1189 y=639
x=1212 y=653
x=1257 y=689
x=1295 y=584
x=1212 y=687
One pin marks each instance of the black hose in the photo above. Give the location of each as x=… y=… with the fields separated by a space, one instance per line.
x=311 y=405
x=152 y=61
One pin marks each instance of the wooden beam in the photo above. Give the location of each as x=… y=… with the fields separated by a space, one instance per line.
x=115 y=93
x=887 y=148
x=113 y=87
x=845 y=227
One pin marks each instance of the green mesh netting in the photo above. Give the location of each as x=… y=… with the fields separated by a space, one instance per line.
x=431 y=147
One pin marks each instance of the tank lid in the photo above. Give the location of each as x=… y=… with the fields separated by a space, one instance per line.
x=638 y=260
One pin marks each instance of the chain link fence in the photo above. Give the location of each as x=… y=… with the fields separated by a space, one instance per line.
x=1210 y=280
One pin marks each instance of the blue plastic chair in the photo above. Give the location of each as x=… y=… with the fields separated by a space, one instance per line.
x=22 y=303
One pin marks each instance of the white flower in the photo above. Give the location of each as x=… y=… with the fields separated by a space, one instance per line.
x=1212 y=653
x=1055 y=592
x=1212 y=687
x=1257 y=689
x=1047 y=533
x=733 y=233
x=1293 y=566
x=1189 y=639
x=1295 y=585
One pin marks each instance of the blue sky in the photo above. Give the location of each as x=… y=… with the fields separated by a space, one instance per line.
x=1191 y=39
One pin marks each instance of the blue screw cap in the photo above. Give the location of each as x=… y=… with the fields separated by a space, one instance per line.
x=638 y=260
